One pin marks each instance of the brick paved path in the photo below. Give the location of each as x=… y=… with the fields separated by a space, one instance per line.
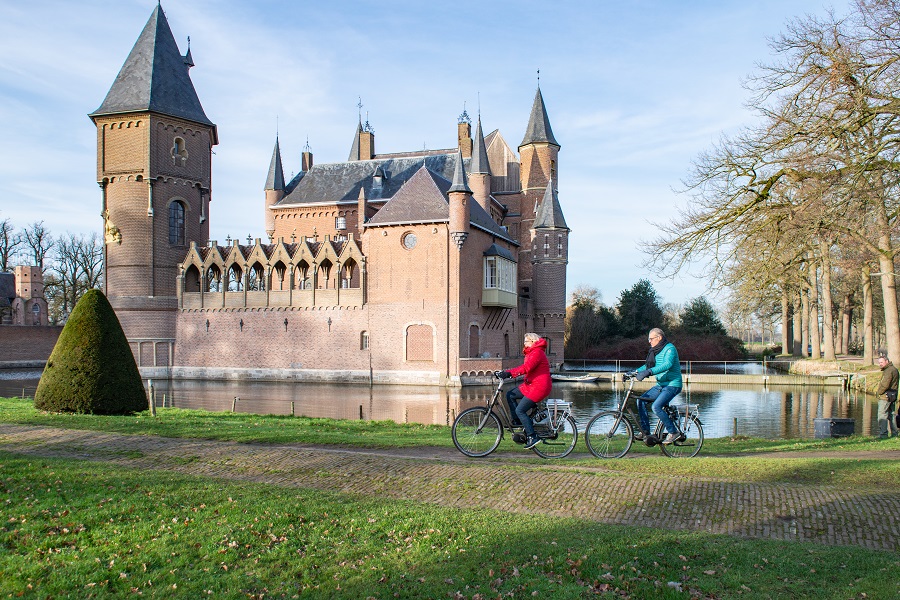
x=784 y=511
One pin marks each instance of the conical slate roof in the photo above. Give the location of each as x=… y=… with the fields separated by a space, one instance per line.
x=460 y=182
x=354 y=149
x=275 y=180
x=538 y=129
x=479 y=162
x=549 y=214
x=155 y=77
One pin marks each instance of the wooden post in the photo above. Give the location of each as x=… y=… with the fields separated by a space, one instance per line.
x=234 y=403
x=734 y=434
x=292 y=408
x=360 y=412
x=152 y=397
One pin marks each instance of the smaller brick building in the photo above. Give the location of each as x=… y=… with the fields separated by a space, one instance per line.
x=22 y=299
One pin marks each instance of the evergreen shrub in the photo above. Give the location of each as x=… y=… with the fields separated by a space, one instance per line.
x=91 y=369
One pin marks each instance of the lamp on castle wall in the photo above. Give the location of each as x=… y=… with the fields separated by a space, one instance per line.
x=329 y=324
x=285 y=324
x=207 y=326
x=242 y=324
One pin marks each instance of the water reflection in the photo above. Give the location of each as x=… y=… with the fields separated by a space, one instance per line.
x=775 y=412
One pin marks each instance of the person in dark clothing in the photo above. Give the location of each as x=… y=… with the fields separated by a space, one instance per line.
x=536 y=387
x=887 y=397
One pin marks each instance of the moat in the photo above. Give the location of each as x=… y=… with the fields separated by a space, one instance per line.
x=774 y=411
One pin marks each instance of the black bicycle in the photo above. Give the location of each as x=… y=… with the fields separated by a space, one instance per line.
x=610 y=434
x=478 y=431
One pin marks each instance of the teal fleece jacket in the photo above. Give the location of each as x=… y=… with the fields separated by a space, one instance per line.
x=667 y=368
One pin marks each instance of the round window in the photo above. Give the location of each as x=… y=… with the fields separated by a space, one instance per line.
x=409 y=241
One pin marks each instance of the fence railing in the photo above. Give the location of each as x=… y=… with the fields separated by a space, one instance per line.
x=704 y=367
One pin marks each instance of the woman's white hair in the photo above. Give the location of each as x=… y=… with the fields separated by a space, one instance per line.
x=532 y=336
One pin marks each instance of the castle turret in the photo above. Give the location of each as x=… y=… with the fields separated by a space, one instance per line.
x=550 y=255
x=154 y=153
x=480 y=171
x=460 y=196
x=274 y=188
x=537 y=156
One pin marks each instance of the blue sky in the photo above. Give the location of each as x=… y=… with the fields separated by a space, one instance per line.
x=634 y=91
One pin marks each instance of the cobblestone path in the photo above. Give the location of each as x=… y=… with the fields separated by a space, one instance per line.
x=821 y=514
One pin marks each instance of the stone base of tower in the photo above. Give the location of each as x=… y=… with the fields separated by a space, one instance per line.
x=149 y=325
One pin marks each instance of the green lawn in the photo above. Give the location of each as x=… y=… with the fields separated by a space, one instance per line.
x=72 y=529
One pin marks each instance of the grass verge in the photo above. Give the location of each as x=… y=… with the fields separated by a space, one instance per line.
x=854 y=461
x=81 y=530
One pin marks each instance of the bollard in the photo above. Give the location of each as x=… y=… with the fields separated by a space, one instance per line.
x=360 y=412
x=234 y=403
x=152 y=397
x=734 y=433
x=164 y=400
x=292 y=408
x=23 y=393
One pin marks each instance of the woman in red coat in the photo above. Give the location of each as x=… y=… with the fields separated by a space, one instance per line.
x=535 y=388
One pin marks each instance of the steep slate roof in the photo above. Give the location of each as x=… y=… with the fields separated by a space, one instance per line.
x=538 y=129
x=341 y=182
x=423 y=199
x=479 y=162
x=155 y=77
x=275 y=179
x=549 y=213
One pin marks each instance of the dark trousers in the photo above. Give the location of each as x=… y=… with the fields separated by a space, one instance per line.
x=519 y=405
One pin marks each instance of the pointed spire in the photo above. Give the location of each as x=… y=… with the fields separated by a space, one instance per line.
x=460 y=181
x=549 y=213
x=479 y=162
x=538 y=129
x=275 y=180
x=354 y=149
x=154 y=77
x=188 y=59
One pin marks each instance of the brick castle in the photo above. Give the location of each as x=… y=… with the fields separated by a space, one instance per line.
x=411 y=267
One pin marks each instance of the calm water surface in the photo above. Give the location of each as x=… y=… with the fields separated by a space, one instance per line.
x=774 y=412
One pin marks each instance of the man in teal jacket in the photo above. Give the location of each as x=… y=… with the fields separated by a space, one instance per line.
x=662 y=361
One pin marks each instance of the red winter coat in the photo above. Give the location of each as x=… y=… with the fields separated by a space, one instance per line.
x=536 y=370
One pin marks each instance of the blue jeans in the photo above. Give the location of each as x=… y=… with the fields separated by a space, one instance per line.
x=519 y=405
x=660 y=396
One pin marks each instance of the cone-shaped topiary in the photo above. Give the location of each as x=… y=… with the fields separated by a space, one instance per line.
x=91 y=368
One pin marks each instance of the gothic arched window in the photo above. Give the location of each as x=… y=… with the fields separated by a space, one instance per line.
x=176 y=224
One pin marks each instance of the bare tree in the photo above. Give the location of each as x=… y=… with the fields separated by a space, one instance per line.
x=9 y=242
x=39 y=240
x=75 y=268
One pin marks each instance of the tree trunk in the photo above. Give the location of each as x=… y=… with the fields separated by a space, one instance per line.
x=868 y=311
x=889 y=298
x=846 y=322
x=785 y=320
x=814 y=340
x=804 y=323
x=827 y=305
x=797 y=326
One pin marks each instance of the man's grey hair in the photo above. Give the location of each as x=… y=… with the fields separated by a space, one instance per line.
x=532 y=336
x=657 y=331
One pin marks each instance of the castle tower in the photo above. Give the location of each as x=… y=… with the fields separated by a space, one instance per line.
x=537 y=156
x=550 y=255
x=154 y=153
x=480 y=171
x=460 y=195
x=274 y=188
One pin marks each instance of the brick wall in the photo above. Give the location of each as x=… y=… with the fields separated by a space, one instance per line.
x=302 y=221
x=27 y=342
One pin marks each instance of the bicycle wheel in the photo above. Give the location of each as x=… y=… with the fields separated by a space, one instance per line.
x=559 y=444
x=608 y=435
x=693 y=431
x=476 y=432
